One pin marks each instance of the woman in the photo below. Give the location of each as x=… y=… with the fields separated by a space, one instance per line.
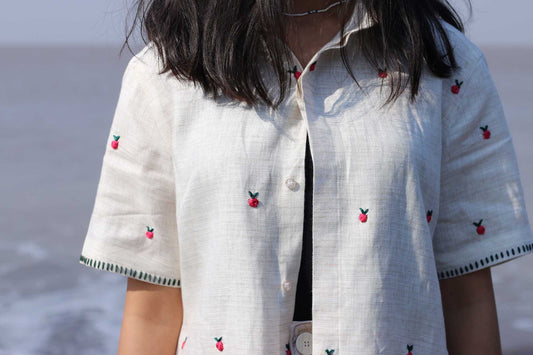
x=403 y=169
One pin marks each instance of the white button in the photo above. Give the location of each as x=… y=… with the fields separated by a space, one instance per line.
x=291 y=184
x=304 y=343
x=286 y=285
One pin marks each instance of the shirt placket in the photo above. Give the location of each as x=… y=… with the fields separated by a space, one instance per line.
x=326 y=273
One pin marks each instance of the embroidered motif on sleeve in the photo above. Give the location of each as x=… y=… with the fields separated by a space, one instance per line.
x=363 y=215
x=486 y=132
x=288 y=350
x=480 y=229
x=219 y=344
x=330 y=351
x=409 y=349
x=114 y=142
x=183 y=344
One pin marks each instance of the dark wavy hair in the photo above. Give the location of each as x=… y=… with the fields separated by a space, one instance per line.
x=211 y=42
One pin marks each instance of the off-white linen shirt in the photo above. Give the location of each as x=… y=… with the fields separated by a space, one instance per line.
x=209 y=196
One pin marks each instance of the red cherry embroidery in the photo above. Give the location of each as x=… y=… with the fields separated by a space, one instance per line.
x=457 y=86
x=149 y=233
x=219 y=345
x=114 y=143
x=363 y=215
x=428 y=215
x=312 y=66
x=183 y=344
x=409 y=349
x=330 y=351
x=252 y=201
x=296 y=73
x=480 y=229
x=486 y=132
x=382 y=73
x=288 y=351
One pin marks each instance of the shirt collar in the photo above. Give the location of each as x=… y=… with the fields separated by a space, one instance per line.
x=352 y=26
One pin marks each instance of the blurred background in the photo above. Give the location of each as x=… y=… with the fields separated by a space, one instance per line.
x=60 y=74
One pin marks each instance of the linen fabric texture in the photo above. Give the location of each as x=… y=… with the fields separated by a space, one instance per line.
x=424 y=176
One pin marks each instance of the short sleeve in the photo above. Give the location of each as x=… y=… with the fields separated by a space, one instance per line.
x=482 y=219
x=132 y=229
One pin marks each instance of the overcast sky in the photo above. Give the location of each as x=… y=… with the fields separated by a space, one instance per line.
x=102 y=21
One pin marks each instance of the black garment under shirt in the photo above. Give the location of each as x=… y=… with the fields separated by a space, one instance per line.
x=302 y=309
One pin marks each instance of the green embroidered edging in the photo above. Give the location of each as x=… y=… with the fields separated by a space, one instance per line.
x=143 y=276
x=487 y=261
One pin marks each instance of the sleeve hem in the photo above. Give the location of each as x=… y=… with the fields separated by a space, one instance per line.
x=132 y=273
x=489 y=260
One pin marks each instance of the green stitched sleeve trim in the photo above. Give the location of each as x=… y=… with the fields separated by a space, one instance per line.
x=489 y=260
x=134 y=274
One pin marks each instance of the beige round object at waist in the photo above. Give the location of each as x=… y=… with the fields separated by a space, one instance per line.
x=300 y=339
